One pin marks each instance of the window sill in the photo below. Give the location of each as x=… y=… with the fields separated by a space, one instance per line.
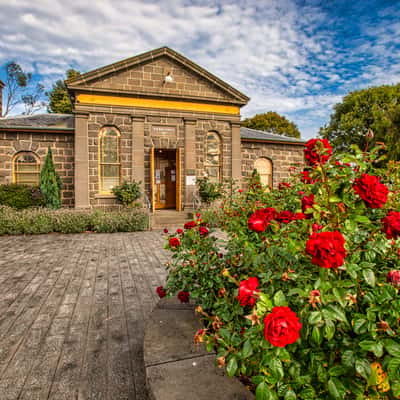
x=104 y=196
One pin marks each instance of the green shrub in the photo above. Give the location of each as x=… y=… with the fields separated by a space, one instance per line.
x=40 y=220
x=50 y=183
x=127 y=193
x=302 y=300
x=208 y=191
x=20 y=196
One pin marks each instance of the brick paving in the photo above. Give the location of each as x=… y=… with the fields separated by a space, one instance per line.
x=72 y=314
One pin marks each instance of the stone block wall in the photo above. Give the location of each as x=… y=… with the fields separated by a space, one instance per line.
x=62 y=146
x=283 y=157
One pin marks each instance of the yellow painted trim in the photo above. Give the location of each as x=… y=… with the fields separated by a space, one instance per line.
x=154 y=103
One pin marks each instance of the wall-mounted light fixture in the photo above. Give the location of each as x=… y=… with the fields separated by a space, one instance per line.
x=168 y=78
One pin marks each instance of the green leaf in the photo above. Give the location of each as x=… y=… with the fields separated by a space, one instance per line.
x=247 y=349
x=336 y=312
x=290 y=395
x=363 y=368
x=308 y=393
x=338 y=370
x=264 y=304
x=316 y=335
x=336 y=389
x=395 y=386
x=362 y=219
x=393 y=348
x=280 y=299
x=263 y=392
x=348 y=358
x=360 y=326
x=276 y=368
x=369 y=277
x=394 y=368
x=329 y=330
x=232 y=366
x=372 y=346
x=315 y=317
x=334 y=199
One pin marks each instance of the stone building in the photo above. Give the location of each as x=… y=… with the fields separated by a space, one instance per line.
x=157 y=118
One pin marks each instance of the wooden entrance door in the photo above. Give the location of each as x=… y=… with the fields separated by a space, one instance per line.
x=165 y=178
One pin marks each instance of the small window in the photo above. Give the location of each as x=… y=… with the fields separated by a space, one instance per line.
x=264 y=169
x=26 y=169
x=109 y=165
x=213 y=165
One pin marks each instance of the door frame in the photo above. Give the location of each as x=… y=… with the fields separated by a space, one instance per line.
x=178 y=186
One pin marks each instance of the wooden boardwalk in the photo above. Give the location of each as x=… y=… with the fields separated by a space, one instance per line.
x=72 y=313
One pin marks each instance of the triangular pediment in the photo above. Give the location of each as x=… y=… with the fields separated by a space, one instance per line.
x=145 y=75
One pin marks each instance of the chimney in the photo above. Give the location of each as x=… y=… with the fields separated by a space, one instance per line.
x=1 y=98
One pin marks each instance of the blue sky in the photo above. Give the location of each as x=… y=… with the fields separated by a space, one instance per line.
x=295 y=57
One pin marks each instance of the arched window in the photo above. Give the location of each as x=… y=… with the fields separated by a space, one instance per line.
x=264 y=169
x=109 y=163
x=26 y=168
x=213 y=164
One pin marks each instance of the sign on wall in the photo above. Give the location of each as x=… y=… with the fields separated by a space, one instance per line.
x=162 y=130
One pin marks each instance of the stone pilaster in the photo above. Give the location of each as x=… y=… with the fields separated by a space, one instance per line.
x=81 y=161
x=138 y=150
x=236 y=153
x=190 y=161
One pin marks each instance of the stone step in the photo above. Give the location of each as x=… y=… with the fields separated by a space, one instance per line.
x=170 y=218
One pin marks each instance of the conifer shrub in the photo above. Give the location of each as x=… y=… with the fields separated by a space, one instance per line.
x=50 y=183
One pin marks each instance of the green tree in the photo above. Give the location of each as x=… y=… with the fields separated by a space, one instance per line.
x=58 y=96
x=20 y=89
x=375 y=108
x=274 y=123
x=50 y=183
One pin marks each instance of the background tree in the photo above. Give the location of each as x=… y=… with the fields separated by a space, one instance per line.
x=376 y=108
x=20 y=89
x=58 y=96
x=274 y=123
x=50 y=183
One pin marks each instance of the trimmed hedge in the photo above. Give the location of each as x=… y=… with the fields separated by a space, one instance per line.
x=20 y=196
x=40 y=220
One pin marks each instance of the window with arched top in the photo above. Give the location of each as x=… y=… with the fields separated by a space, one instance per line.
x=26 y=167
x=213 y=160
x=264 y=169
x=109 y=159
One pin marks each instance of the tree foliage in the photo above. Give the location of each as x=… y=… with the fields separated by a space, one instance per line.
x=50 y=183
x=376 y=108
x=58 y=96
x=274 y=123
x=20 y=89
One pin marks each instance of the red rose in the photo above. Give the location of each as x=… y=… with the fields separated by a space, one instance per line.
x=391 y=225
x=285 y=217
x=371 y=190
x=316 y=227
x=179 y=231
x=183 y=296
x=306 y=203
x=248 y=292
x=203 y=231
x=327 y=249
x=298 y=216
x=240 y=190
x=284 y=185
x=317 y=151
x=165 y=230
x=174 y=242
x=198 y=215
x=161 y=292
x=260 y=219
x=281 y=327
x=393 y=277
x=190 y=225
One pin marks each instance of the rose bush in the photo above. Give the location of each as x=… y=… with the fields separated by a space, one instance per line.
x=303 y=306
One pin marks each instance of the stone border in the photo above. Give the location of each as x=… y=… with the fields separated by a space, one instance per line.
x=178 y=369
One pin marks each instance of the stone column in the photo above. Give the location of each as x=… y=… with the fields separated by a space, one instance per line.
x=236 y=154
x=138 y=150
x=81 y=150
x=190 y=161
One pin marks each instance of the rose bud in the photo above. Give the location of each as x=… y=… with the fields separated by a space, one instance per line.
x=183 y=296
x=393 y=277
x=221 y=292
x=165 y=230
x=316 y=227
x=179 y=231
x=174 y=242
x=198 y=215
x=199 y=336
x=161 y=292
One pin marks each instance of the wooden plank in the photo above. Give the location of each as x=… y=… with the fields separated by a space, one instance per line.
x=178 y=180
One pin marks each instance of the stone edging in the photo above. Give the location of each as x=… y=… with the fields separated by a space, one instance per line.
x=178 y=369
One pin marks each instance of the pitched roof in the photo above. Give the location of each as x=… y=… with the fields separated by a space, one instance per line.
x=39 y=121
x=252 y=134
x=149 y=56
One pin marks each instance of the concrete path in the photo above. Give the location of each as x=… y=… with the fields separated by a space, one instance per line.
x=72 y=313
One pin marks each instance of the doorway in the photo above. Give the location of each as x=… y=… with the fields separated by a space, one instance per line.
x=165 y=179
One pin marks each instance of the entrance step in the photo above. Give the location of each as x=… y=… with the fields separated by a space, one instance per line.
x=170 y=218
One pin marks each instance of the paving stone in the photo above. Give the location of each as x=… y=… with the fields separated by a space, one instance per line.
x=195 y=378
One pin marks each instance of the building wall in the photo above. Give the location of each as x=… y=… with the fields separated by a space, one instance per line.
x=62 y=146
x=283 y=157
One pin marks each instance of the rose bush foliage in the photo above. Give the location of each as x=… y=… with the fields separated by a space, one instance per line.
x=303 y=306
